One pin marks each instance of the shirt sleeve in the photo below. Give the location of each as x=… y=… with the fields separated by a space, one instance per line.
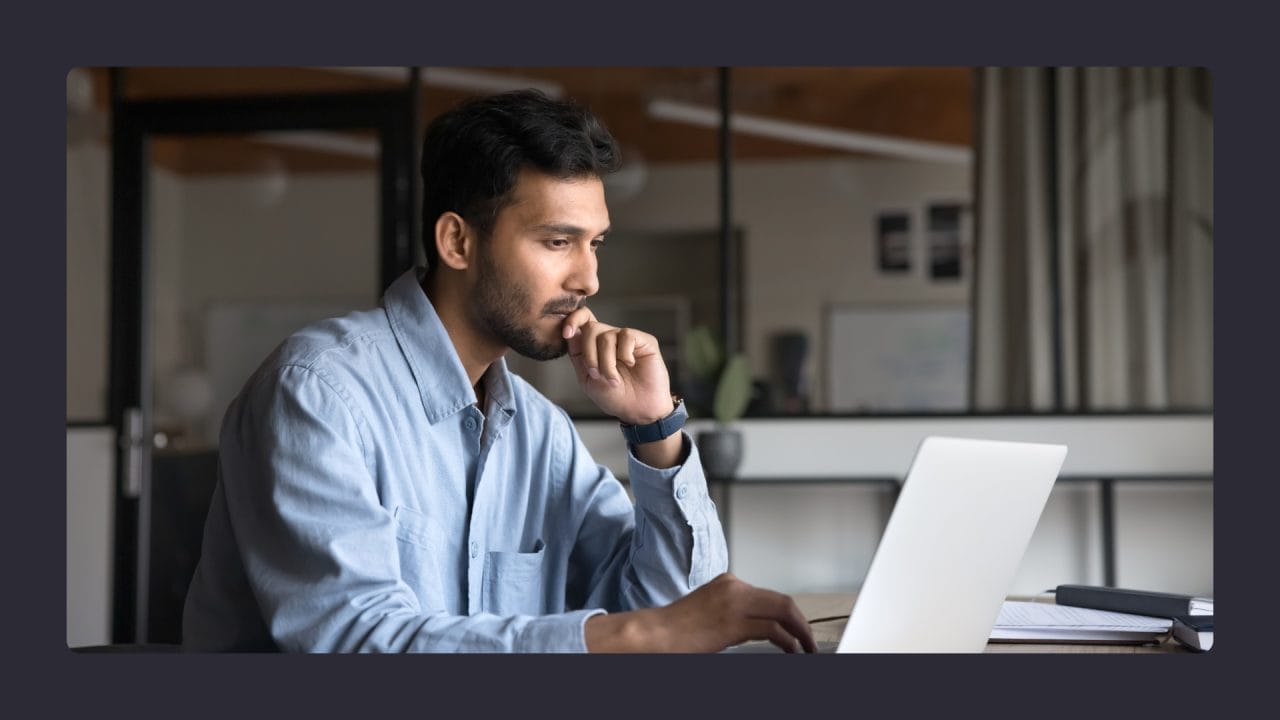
x=319 y=550
x=650 y=553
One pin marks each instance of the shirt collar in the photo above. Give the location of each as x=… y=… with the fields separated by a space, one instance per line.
x=442 y=380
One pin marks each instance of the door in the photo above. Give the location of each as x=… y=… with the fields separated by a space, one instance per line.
x=235 y=220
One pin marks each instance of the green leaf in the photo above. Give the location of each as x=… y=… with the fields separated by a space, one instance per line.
x=733 y=392
x=702 y=353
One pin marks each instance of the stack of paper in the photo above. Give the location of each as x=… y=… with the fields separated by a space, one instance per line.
x=1045 y=622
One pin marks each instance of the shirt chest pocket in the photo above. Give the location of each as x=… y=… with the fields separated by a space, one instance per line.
x=423 y=557
x=514 y=583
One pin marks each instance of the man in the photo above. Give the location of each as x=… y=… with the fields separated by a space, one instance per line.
x=385 y=483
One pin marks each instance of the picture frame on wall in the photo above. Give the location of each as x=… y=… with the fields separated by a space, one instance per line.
x=893 y=242
x=944 y=223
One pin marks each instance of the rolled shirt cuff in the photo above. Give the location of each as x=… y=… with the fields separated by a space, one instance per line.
x=562 y=633
x=682 y=487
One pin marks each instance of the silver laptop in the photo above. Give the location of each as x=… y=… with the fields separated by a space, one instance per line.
x=953 y=544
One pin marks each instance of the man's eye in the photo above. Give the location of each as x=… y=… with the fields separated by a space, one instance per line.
x=559 y=242
x=597 y=244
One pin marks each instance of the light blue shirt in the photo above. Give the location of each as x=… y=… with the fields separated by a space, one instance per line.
x=364 y=503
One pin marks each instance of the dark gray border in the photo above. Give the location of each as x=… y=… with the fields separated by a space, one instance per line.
x=235 y=33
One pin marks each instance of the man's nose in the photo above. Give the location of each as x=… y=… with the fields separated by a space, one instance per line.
x=584 y=279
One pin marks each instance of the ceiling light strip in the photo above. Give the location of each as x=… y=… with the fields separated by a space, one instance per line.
x=322 y=142
x=806 y=134
x=480 y=81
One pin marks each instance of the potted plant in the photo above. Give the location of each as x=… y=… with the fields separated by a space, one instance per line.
x=716 y=385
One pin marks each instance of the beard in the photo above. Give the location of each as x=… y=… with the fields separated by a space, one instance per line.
x=501 y=305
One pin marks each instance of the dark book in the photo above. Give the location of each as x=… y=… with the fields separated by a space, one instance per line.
x=1194 y=631
x=1136 y=602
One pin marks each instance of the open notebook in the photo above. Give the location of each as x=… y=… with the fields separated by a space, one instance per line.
x=1045 y=622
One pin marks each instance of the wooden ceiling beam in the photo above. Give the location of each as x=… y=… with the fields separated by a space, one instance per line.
x=931 y=104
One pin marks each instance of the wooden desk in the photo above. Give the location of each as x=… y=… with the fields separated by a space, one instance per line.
x=821 y=605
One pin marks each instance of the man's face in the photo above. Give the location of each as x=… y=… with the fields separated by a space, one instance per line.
x=539 y=264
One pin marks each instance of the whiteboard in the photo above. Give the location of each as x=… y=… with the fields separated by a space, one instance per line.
x=897 y=359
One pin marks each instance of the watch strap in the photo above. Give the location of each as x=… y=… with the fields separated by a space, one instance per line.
x=660 y=430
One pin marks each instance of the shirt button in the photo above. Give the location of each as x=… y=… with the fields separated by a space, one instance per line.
x=475 y=548
x=682 y=491
x=470 y=423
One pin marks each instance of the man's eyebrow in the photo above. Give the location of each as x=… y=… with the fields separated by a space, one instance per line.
x=566 y=229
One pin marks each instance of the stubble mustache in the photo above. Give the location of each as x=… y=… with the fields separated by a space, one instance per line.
x=563 y=306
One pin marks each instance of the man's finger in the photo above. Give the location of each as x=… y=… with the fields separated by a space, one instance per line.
x=586 y=348
x=571 y=328
x=772 y=631
x=579 y=367
x=798 y=625
x=627 y=347
x=803 y=631
x=574 y=321
x=607 y=355
x=782 y=609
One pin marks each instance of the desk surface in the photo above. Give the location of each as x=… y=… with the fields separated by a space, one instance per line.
x=820 y=605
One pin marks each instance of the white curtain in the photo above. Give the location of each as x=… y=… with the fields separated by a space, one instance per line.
x=1093 y=287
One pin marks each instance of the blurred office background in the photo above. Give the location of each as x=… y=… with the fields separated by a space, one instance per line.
x=1007 y=251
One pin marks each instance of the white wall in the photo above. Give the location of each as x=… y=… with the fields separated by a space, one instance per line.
x=820 y=538
x=1165 y=534
x=810 y=238
x=90 y=535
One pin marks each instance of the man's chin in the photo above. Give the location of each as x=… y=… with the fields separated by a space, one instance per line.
x=543 y=354
x=541 y=351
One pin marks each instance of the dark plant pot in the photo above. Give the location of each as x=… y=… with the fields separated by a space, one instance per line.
x=721 y=452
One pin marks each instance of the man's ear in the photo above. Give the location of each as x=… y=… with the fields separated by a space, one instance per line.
x=455 y=241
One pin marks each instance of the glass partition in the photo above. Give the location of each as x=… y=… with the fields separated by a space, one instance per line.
x=852 y=188
x=253 y=236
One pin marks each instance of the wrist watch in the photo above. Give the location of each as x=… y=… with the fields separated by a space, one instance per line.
x=654 y=431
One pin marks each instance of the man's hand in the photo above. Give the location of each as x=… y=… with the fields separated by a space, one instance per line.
x=724 y=612
x=621 y=369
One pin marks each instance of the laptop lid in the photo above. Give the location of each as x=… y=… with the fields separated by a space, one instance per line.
x=952 y=546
